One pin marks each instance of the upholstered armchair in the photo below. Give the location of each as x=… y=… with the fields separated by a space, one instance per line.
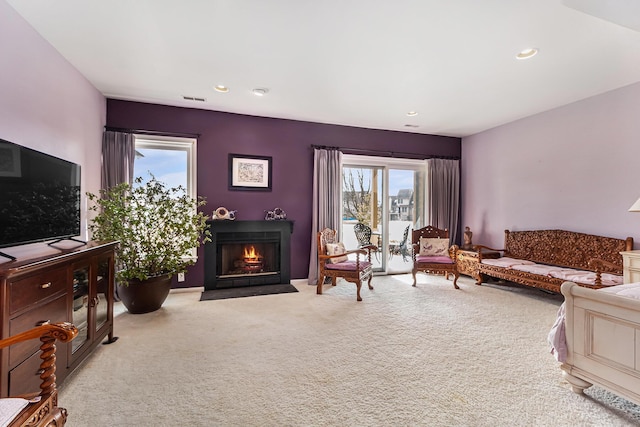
x=334 y=262
x=39 y=409
x=433 y=254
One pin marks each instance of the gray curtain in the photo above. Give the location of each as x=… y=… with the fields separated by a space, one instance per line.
x=444 y=194
x=118 y=155
x=327 y=173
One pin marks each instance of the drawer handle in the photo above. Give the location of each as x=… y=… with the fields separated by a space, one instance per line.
x=45 y=285
x=43 y=322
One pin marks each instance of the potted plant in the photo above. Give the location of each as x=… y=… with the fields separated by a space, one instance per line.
x=157 y=228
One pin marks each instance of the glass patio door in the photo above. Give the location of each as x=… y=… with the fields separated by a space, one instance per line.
x=362 y=197
x=405 y=213
x=387 y=195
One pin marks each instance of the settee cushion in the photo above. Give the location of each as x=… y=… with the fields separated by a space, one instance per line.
x=506 y=262
x=434 y=247
x=542 y=269
x=587 y=277
x=563 y=273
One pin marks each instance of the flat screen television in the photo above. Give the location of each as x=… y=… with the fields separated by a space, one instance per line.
x=39 y=196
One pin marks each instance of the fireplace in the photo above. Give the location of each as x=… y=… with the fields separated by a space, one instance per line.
x=247 y=253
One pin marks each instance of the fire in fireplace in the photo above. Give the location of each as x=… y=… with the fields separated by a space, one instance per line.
x=248 y=258
x=251 y=262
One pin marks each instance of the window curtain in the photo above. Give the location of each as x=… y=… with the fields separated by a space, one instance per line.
x=443 y=180
x=118 y=155
x=327 y=172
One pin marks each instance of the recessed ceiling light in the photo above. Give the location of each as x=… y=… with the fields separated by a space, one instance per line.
x=221 y=88
x=412 y=113
x=411 y=126
x=527 y=53
x=260 y=91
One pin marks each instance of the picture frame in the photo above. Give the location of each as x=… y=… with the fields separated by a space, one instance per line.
x=249 y=173
x=10 y=160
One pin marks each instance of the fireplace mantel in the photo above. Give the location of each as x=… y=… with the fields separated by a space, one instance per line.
x=227 y=232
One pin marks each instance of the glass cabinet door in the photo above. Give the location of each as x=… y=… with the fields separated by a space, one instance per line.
x=81 y=301
x=103 y=279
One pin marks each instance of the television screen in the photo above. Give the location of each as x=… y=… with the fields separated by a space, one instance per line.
x=39 y=196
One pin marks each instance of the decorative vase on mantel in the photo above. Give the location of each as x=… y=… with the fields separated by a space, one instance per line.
x=145 y=296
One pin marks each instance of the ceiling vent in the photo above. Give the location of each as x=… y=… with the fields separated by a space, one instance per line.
x=193 y=98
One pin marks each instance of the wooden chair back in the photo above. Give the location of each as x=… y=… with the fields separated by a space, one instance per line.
x=363 y=234
x=326 y=236
x=429 y=232
x=434 y=267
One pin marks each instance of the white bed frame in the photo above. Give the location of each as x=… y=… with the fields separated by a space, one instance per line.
x=603 y=341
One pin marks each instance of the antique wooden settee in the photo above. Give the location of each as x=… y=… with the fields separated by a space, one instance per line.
x=43 y=409
x=601 y=329
x=547 y=258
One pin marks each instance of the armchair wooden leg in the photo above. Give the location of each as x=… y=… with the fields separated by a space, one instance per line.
x=369 y=282
x=455 y=279
x=414 y=277
x=358 y=285
x=319 y=285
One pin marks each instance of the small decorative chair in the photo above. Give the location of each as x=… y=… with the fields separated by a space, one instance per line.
x=43 y=409
x=334 y=262
x=403 y=247
x=363 y=234
x=432 y=253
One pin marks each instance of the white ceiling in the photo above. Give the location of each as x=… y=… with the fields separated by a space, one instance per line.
x=363 y=63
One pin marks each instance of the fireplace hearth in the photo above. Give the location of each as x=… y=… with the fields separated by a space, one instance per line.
x=247 y=253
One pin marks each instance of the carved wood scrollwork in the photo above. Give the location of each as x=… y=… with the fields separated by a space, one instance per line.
x=561 y=248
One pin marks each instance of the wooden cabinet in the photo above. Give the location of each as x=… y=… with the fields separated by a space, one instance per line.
x=467 y=261
x=631 y=266
x=75 y=285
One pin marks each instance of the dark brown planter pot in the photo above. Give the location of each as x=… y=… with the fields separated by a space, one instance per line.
x=145 y=296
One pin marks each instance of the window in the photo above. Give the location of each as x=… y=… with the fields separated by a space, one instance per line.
x=171 y=160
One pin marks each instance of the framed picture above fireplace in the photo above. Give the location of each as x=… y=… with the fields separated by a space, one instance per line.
x=249 y=173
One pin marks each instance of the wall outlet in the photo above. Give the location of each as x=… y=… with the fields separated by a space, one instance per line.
x=180 y=277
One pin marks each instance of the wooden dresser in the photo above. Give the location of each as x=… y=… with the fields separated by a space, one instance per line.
x=71 y=285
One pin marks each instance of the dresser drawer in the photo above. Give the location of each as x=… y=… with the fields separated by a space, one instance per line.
x=632 y=261
x=54 y=311
x=25 y=378
x=30 y=290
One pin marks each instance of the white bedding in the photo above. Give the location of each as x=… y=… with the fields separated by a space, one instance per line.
x=582 y=277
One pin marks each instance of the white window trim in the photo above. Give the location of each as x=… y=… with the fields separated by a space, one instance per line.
x=181 y=144
x=175 y=143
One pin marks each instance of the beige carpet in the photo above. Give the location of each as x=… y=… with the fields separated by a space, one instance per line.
x=425 y=356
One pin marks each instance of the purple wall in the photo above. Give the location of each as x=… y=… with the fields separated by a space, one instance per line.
x=573 y=168
x=286 y=141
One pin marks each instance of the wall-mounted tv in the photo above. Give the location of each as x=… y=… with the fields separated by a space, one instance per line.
x=39 y=196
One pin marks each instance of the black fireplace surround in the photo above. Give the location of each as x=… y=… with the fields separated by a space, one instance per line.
x=247 y=253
